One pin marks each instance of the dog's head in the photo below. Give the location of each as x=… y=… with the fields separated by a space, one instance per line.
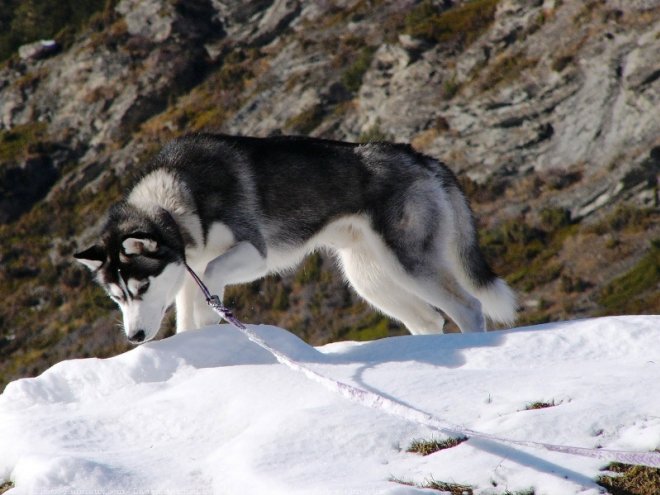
x=139 y=263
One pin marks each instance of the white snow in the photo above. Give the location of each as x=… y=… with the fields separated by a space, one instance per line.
x=208 y=412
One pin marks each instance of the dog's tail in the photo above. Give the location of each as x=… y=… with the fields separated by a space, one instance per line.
x=498 y=301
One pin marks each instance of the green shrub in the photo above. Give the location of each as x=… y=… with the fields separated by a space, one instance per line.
x=459 y=25
x=25 y=21
x=281 y=299
x=17 y=142
x=553 y=219
x=513 y=242
x=310 y=270
x=352 y=76
x=450 y=87
x=373 y=135
x=629 y=218
x=374 y=326
x=306 y=121
x=525 y=253
x=633 y=291
x=507 y=69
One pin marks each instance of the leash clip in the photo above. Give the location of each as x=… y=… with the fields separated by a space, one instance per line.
x=224 y=312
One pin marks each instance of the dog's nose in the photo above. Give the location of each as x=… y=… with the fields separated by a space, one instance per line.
x=137 y=337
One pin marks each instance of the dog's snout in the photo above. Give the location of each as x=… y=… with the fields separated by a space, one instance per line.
x=138 y=337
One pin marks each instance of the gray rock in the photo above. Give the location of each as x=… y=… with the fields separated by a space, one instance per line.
x=278 y=16
x=397 y=95
x=151 y=19
x=635 y=5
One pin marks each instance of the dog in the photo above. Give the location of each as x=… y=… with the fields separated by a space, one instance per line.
x=238 y=208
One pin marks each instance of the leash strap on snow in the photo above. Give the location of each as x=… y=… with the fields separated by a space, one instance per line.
x=390 y=406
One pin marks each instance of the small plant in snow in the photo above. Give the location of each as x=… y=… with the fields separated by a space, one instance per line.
x=427 y=447
x=540 y=405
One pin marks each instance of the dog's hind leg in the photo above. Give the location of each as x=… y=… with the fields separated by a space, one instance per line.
x=444 y=292
x=417 y=240
x=371 y=280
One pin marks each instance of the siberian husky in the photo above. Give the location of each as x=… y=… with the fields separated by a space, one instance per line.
x=238 y=208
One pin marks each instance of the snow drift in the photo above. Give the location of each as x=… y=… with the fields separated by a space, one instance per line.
x=207 y=411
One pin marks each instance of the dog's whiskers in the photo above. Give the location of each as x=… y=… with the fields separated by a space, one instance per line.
x=119 y=323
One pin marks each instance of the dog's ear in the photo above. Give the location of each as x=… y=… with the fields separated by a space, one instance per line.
x=139 y=245
x=92 y=257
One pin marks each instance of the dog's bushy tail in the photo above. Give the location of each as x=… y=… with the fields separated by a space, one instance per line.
x=498 y=301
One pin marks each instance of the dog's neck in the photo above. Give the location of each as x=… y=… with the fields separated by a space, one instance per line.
x=162 y=190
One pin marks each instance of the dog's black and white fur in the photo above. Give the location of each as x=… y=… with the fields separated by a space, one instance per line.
x=238 y=208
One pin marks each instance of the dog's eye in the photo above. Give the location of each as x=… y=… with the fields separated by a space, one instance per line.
x=137 y=287
x=143 y=288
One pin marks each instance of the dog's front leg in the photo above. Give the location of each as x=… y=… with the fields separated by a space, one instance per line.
x=241 y=263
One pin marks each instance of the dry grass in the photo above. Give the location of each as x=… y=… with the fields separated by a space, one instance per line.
x=443 y=486
x=458 y=26
x=634 y=291
x=427 y=447
x=631 y=480
x=540 y=405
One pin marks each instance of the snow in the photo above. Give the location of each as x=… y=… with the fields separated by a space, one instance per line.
x=208 y=412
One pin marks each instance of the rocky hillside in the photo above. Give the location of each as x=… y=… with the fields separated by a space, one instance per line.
x=548 y=110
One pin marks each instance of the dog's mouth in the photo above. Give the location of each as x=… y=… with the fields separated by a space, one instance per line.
x=141 y=334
